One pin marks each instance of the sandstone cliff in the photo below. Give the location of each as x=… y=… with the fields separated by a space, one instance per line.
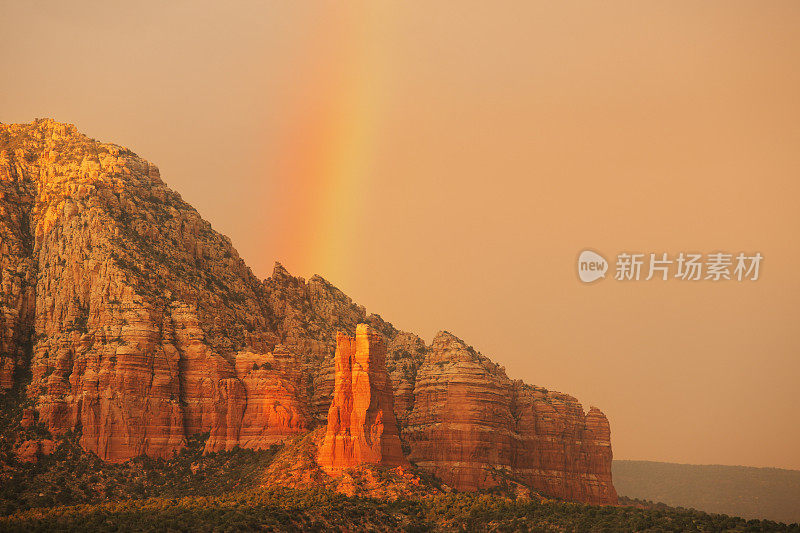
x=475 y=428
x=130 y=321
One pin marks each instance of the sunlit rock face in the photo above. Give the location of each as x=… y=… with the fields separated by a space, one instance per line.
x=474 y=428
x=361 y=425
x=276 y=407
x=127 y=307
x=128 y=320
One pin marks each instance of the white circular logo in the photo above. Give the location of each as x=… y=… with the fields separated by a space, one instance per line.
x=591 y=266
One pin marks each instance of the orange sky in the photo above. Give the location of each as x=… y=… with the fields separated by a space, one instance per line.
x=445 y=166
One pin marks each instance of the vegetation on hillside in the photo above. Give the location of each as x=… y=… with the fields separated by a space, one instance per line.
x=280 y=509
x=71 y=476
x=737 y=490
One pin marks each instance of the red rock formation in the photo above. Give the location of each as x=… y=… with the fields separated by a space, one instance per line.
x=473 y=427
x=406 y=352
x=17 y=276
x=142 y=326
x=461 y=418
x=274 y=410
x=135 y=308
x=29 y=450
x=308 y=315
x=361 y=423
x=559 y=450
x=214 y=398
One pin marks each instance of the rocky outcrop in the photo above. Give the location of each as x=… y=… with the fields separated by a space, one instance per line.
x=17 y=272
x=307 y=315
x=474 y=428
x=29 y=451
x=559 y=449
x=406 y=353
x=274 y=408
x=461 y=420
x=128 y=320
x=361 y=423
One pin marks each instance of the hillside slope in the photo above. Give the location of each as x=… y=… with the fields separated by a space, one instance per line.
x=764 y=493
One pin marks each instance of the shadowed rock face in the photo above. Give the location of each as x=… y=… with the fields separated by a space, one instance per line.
x=473 y=427
x=140 y=326
x=361 y=423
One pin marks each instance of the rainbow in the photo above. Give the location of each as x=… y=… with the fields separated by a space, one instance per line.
x=330 y=154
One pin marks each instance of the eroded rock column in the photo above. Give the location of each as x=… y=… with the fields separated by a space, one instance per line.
x=362 y=428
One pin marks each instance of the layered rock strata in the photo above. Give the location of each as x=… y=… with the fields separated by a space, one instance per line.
x=474 y=428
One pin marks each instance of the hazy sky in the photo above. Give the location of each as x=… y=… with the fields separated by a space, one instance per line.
x=445 y=163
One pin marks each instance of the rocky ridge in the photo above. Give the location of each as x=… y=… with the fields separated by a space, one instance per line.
x=130 y=321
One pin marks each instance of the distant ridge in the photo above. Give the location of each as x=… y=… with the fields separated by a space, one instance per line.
x=749 y=492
